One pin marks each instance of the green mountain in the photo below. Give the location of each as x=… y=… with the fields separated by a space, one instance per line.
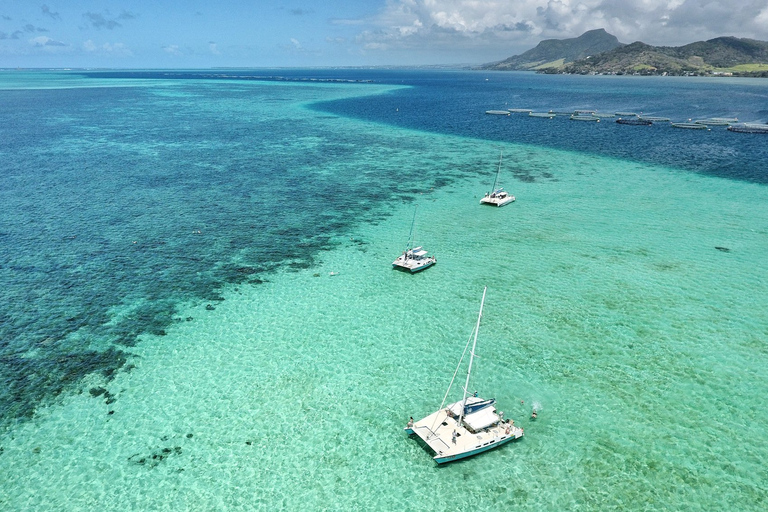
x=556 y=52
x=722 y=55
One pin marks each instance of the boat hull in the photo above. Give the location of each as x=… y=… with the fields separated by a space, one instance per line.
x=452 y=440
x=496 y=201
x=412 y=267
x=443 y=459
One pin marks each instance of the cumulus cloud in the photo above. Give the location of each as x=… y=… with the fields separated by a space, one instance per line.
x=412 y=24
x=99 y=20
x=31 y=28
x=118 y=49
x=43 y=41
x=47 y=11
x=173 y=49
x=295 y=47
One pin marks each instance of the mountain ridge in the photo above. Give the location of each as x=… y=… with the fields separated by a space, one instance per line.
x=598 y=52
x=552 y=50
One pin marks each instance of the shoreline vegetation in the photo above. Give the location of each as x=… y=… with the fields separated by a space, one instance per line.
x=597 y=52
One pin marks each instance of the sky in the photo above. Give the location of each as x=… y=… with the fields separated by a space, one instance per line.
x=305 y=33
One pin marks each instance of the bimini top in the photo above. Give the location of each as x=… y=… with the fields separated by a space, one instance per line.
x=478 y=413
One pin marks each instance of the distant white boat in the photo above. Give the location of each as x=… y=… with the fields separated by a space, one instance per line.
x=467 y=427
x=414 y=259
x=626 y=114
x=520 y=110
x=548 y=115
x=498 y=196
x=498 y=112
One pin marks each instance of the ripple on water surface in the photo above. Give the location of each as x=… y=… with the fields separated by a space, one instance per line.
x=609 y=309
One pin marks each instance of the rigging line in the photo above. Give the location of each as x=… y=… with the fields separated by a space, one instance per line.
x=493 y=189
x=412 y=234
x=432 y=428
x=472 y=352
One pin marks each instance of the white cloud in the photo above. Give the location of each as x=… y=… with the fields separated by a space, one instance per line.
x=47 y=43
x=117 y=49
x=173 y=49
x=429 y=24
x=214 y=48
x=762 y=17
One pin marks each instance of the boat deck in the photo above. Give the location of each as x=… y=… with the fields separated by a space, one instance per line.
x=436 y=430
x=497 y=200
x=414 y=261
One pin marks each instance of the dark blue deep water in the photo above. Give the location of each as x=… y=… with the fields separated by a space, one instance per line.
x=454 y=102
x=127 y=196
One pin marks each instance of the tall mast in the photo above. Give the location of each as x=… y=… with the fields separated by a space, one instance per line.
x=411 y=241
x=493 y=189
x=472 y=357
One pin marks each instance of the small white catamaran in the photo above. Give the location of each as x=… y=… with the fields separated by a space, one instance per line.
x=414 y=258
x=467 y=427
x=498 y=196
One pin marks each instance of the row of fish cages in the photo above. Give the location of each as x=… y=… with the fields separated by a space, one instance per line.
x=638 y=119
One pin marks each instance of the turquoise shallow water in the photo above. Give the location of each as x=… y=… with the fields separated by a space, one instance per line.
x=609 y=308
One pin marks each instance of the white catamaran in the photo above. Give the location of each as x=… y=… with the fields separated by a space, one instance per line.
x=498 y=196
x=467 y=427
x=413 y=258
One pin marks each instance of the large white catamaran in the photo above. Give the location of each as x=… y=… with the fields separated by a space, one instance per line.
x=413 y=258
x=498 y=196
x=467 y=427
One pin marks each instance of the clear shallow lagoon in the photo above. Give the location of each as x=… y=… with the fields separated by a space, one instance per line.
x=173 y=338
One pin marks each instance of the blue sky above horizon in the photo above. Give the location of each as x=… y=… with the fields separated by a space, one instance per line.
x=298 y=33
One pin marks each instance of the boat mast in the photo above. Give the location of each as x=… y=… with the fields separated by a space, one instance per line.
x=493 y=189
x=411 y=241
x=472 y=357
